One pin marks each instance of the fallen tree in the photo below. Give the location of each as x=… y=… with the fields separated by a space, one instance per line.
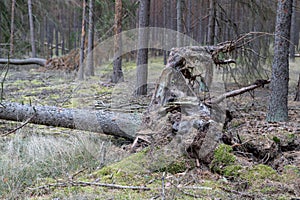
x=178 y=88
x=28 y=61
x=116 y=124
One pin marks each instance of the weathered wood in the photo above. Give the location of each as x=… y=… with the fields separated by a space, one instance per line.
x=116 y=124
x=28 y=61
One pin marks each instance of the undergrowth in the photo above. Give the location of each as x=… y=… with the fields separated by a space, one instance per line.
x=27 y=160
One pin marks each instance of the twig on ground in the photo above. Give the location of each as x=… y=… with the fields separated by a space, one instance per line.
x=238 y=193
x=84 y=184
x=19 y=127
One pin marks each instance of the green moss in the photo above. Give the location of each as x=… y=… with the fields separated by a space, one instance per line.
x=260 y=172
x=174 y=167
x=232 y=170
x=268 y=189
x=223 y=157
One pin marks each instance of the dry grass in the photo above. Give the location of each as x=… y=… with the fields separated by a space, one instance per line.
x=28 y=160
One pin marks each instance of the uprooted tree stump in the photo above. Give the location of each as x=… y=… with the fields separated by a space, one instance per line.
x=182 y=119
x=186 y=116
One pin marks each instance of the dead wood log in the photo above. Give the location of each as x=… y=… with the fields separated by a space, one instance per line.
x=28 y=61
x=111 y=123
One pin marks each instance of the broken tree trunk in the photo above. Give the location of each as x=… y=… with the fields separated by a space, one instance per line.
x=116 y=124
x=28 y=61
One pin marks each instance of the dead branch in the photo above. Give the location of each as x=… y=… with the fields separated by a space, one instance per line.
x=256 y=84
x=85 y=184
x=19 y=127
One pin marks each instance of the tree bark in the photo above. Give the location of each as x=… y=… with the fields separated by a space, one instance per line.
x=116 y=124
x=28 y=61
x=297 y=97
x=57 y=43
x=278 y=105
x=81 y=59
x=12 y=28
x=90 y=54
x=293 y=32
x=117 y=68
x=179 y=9
x=142 y=55
x=211 y=22
x=33 y=53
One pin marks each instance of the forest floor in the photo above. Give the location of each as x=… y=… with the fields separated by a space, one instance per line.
x=41 y=162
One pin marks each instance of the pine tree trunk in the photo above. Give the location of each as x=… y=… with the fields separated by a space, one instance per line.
x=117 y=68
x=12 y=28
x=211 y=22
x=297 y=96
x=116 y=124
x=56 y=41
x=166 y=26
x=278 y=105
x=179 y=22
x=293 y=32
x=90 y=53
x=81 y=58
x=31 y=29
x=142 y=55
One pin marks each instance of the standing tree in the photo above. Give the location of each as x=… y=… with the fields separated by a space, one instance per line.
x=179 y=22
x=211 y=22
x=117 y=68
x=81 y=57
x=210 y=39
x=142 y=55
x=12 y=25
x=293 y=32
x=278 y=105
x=90 y=54
x=31 y=29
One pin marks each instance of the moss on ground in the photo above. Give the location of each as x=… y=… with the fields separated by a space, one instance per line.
x=224 y=160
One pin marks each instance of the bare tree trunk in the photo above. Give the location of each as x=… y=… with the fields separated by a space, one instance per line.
x=12 y=28
x=56 y=41
x=142 y=55
x=293 y=32
x=179 y=22
x=116 y=124
x=278 y=105
x=297 y=96
x=117 y=68
x=211 y=22
x=210 y=40
x=90 y=53
x=166 y=15
x=189 y=18
x=31 y=29
x=81 y=59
